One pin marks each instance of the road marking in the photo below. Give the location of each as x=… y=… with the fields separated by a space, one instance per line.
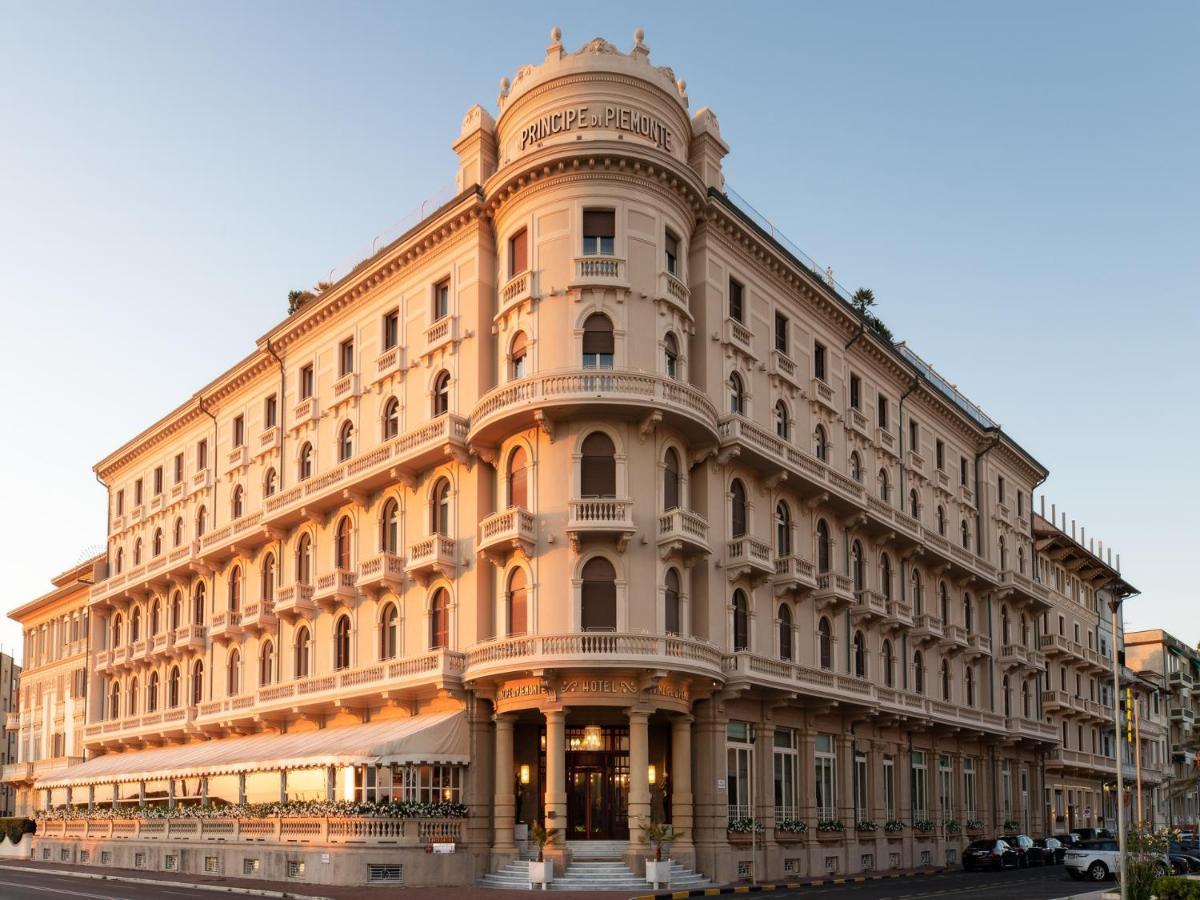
x=36 y=887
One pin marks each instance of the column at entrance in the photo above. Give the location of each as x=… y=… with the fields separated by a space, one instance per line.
x=505 y=800
x=681 y=780
x=639 y=779
x=556 y=785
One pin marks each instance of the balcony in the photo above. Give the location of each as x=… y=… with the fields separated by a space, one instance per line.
x=520 y=289
x=1179 y=681
x=735 y=334
x=189 y=638
x=240 y=535
x=1023 y=590
x=1054 y=645
x=347 y=389
x=237 y=459
x=295 y=601
x=823 y=394
x=673 y=291
x=226 y=625
x=138 y=651
x=979 y=645
x=1057 y=701
x=269 y=441
x=306 y=411
x=643 y=397
x=926 y=628
x=858 y=423
x=794 y=574
x=899 y=615
x=509 y=531
x=431 y=558
x=335 y=588
x=966 y=496
x=834 y=591
x=599 y=272
x=1013 y=656
x=12 y=720
x=868 y=605
x=684 y=533
x=670 y=653
x=1031 y=729
x=954 y=638
x=886 y=442
x=389 y=363
x=604 y=517
x=783 y=366
x=1183 y=717
x=201 y=480
x=747 y=669
x=748 y=558
x=916 y=462
x=384 y=572
x=16 y=773
x=259 y=616
x=441 y=334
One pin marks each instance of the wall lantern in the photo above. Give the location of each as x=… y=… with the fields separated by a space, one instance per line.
x=524 y=774
x=652 y=774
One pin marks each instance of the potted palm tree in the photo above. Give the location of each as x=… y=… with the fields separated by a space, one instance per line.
x=658 y=870
x=541 y=870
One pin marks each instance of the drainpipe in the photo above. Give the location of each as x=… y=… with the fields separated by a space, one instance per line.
x=900 y=427
x=979 y=511
x=212 y=600
x=1037 y=629
x=857 y=335
x=87 y=694
x=280 y=406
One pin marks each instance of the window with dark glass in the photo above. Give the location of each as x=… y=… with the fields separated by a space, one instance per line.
x=346 y=441
x=738 y=513
x=440 y=509
x=271 y=411
x=1000 y=488
x=345 y=357
x=518 y=253
x=441 y=299
x=517 y=603
x=736 y=300
x=855 y=392
x=598 y=596
x=670 y=480
x=518 y=356
x=137 y=492
x=599 y=232
x=819 y=361
x=391 y=418
x=391 y=329
x=597 y=466
x=940 y=454
x=439 y=615
x=341 y=643
x=306 y=381
x=158 y=480
x=120 y=503
x=178 y=468
x=741 y=621
x=672 y=246
x=671 y=354
x=671 y=602
x=598 y=343
x=518 y=479
x=341 y=545
x=914 y=436
x=962 y=470
x=785 y=632
x=882 y=411
x=781 y=333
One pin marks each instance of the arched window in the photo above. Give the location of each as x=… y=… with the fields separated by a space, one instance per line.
x=741 y=621
x=131 y=701
x=235 y=588
x=118 y=626
x=1004 y=624
x=391 y=419
x=737 y=394
x=885 y=576
x=821 y=444
x=918 y=592
x=341 y=643
x=597 y=466
x=671 y=355
x=783 y=530
x=860 y=655
x=970 y=682
x=1004 y=689
x=966 y=535
x=155 y=616
x=1024 y=631
x=944 y=602
x=234 y=673
x=671 y=617
x=1021 y=560
x=785 y=632
x=198 y=604
x=201 y=522
x=945 y=680
x=824 y=644
x=304 y=559
x=343 y=538
x=173 y=685
x=597 y=342
x=914 y=504
x=197 y=682
x=303 y=651
x=885 y=488
x=439 y=615
x=598 y=595
x=266 y=664
x=345 y=441
x=968 y=613
x=120 y=559
x=670 y=479
x=236 y=504
x=737 y=508
x=1003 y=554
x=783 y=425
x=270 y=483
x=856 y=566
x=889 y=665
x=176 y=610
x=306 y=462
x=389 y=632
x=135 y=625
x=1025 y=711
x=856 y=467
x=389 y=527
x=941 y=520
x=441 y=394
x=518 y=351
x=824 y=549
x=114 y=701
x=177 y=532
x=137 y=552
x=517 y=480
x=918 y=673
x=268 y=577
x=439 y=509
x=517 y=603
x=152 y=693
x=158 y=545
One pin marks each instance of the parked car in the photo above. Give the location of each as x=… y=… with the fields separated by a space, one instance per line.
x=990 y=853
x=1178 y=848
x=1052 y=849
x=1100 y=859
x=1068 y=840
x=1182 y=864
x=1086 y=834
x=1032 y=855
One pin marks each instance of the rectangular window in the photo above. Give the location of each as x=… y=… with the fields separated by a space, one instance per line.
x=599 y=232
x=825 y=777
x=178 y=467
x=914 y=436
x=1000 y=488
x=737 y=311
x=862 y=804
x=920 y=786
x=787 y=774
x=781 y=334
x=889 y=788
x=962 y=470
x=945 y=788
x=391 y=329
x=239 y=430
x=855 y=392
x=306 y=381
x=738 y=768
x=883 y=412
x=346 y=358
x=672 y=243
x=1006 y=789
x=1020 y=503
x=969 y=790
x=202 y=455
x=137 y=492
x=121 y=502
x=441 y=300
x=819 y=361
x=271 y=412
x=518 y=253
x=940 y=451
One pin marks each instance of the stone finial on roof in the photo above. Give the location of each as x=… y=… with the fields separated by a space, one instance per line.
x=640 y=50
x=555 y=50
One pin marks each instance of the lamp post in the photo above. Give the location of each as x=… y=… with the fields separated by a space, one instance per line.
x=1114 y=605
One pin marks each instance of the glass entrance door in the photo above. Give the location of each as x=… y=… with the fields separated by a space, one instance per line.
x=586 y=810
x=597 y=784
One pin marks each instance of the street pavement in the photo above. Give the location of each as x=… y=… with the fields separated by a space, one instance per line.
x=1040 y=883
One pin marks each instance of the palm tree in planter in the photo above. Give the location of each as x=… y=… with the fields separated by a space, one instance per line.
x=658 y=870
x=541 y=870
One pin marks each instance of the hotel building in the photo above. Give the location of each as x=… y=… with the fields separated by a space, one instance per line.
x=589 y=500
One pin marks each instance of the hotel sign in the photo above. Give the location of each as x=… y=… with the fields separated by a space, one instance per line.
x=611 y=116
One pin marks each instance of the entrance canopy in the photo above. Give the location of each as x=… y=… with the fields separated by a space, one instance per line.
x=431 y=738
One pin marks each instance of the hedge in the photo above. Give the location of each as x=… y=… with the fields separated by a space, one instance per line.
x=15 y=828
x=1176 y=889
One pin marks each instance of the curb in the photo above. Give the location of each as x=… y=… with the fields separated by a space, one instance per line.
x=126 y=879
x=783 y=886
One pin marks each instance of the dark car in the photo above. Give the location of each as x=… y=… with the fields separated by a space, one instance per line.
x=1182 y=864
x=1175 y=848
x=1052 y=849
x=1086 y=834
x=990 y=853
x=1068 y=840
x=1031 y=854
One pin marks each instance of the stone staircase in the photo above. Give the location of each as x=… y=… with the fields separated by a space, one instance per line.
x=596 y=866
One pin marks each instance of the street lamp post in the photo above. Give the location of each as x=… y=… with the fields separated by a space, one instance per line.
x=1114 y=605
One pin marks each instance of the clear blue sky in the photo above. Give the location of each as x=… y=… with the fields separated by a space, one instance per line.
x=1017 y=182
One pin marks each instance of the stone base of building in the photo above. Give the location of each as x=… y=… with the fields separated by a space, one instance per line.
x=823 y=857
x=334 y=864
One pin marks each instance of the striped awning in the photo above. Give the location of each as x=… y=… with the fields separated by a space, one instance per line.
x=439 y=737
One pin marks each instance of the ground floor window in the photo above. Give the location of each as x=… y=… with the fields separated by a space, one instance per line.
x=920 y=787
x=945 y=788
x=889 y=788
x=969 y=808
x=861 y=780
x=739 y=754
x=787 y=774
x=825 y=777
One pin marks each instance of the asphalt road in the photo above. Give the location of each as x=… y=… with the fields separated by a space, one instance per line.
x=33 y=885
x=1040 y=883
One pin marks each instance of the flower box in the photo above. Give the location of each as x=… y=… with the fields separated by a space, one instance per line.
x=540 y=873
x=658 y=873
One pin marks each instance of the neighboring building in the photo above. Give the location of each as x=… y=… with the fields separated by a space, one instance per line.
x=1175 y=668
x=588 y=500
x=46 y=725
x=9 y=673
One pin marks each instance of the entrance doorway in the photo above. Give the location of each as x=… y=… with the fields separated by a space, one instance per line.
x=597 y=783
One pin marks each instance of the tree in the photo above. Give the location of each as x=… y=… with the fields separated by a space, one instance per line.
x=863 y=301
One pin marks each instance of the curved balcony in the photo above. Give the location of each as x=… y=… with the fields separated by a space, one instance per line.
x=588 y=650
x=384 y=572
x=601 y=393
x=295 y=600
x=226 y=625
x=432 y=557
x=748 y=557
x=834 y=591
x=259 y=616
x=509 y=531
x=1024 y=591
x=926 y=628
x=188 y=637
x=793 y=573
x=684 y=532
x=868 y=605
x=599 y=517
x=335 y=588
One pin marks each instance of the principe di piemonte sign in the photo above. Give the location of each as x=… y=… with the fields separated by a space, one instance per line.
x=609 y=116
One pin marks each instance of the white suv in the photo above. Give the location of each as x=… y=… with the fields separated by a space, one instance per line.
x=1097 y=860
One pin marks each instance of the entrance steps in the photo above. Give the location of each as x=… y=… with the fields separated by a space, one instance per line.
x=592 y=875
